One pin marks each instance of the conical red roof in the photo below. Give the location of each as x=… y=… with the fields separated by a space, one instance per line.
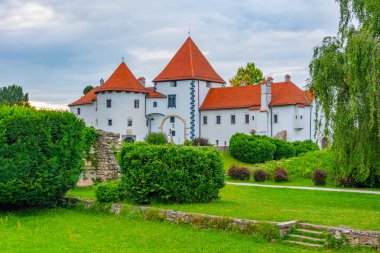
x=87 y=99
x=189 y=63
x=122 y=79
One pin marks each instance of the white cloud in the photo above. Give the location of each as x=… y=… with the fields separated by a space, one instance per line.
x=148 y=55
x=49 y=106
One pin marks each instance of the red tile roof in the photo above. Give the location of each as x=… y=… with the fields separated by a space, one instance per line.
x=189 y=63
x=310 y=95
x=154 y=94
x=87 y=99
x=284 y=93
x=122 y=79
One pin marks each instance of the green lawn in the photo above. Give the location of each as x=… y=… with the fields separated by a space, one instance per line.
x=71 y=230
x=326 y=208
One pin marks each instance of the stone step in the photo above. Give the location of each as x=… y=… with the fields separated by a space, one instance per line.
x=303 y=237
x=305 y=243
x=314 y=227
x=303 y=230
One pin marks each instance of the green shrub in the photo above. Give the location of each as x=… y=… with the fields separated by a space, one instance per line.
x=188 y=143
x=170 y=174
x=284 y=149
x=239 y=173
x=251 y=149
x=260 y=175
x=280 y=175
x=304 y=146
x=112 y=191
x=319 y=177
x=40 y=155
x=90 y=136
x=156 y=138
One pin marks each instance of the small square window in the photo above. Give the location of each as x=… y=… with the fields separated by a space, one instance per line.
x=137 y=103
x=154 y=104
x=275 y=118
x=172 y=120
x=78 y=111
x=233 y=119
x=110 y=122
x=204 y=120
x=173 y=84
x=173 y=133
x=109 y=103
x=129 y=122
x=218 y=119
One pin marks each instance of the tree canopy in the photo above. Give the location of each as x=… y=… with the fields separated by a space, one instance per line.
x=13 y=95
x=87 y=89
x=345 y=77
x=249 y=74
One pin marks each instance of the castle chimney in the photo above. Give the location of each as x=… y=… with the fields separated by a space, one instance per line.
x=101 y=81
x=266 y=94
x=142 y=80
x=287 y=78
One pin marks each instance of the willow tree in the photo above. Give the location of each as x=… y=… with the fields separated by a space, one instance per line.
x=345 y=77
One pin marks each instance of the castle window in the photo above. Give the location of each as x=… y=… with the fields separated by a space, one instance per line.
x=173 y=133
x=253 y=117
x=217 y=142
x=137 y=103
x=154 y=104
x=301 y=116
x=172 y=120
x=208 y=84
x=110 y=122
x=171 y=101
x=109 y=103
x=218 y=119
x=275 y=118
x=147 y=122
x=233 y=119
x=129 y=122
x=204 y=120
x=247 y=119
x=78 y=111
x=173 y=84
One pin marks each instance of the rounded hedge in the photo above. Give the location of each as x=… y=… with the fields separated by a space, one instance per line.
x=251 y=149
x=40 y=155
x=305 y=146
x=170 y=174
x=156 y=138
x=112 y=191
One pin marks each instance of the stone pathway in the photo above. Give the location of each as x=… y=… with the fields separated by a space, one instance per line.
x=305 y=188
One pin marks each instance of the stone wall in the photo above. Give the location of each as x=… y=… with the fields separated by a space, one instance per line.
x=356 y=237
x=106 y=148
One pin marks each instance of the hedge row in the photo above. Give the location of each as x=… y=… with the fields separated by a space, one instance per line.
x=168 y=174
x=259 y=149
x=40 y=155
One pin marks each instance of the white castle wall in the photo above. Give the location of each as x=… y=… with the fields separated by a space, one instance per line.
x=87 y=113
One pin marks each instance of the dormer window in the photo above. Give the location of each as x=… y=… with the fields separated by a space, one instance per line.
x=173 y=84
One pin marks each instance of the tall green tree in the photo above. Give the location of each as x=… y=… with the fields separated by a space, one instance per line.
x=13 y=95
x=249 y=74
x=345 y=76
x=87 y=89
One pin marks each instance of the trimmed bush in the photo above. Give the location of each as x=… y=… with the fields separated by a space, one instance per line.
x=280 y=175
x=304 y=146
x=319 y=177
x=260 y=175
x=239 y=173
x=251 y=149
x=199 y=141
x=284 y=149
x=40 y=155
x=108 y=192
x=156 y=139
x=170 y=174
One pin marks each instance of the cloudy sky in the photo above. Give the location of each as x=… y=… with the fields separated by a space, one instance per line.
x=54 y=48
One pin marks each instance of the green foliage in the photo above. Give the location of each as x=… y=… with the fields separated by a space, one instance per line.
x=87 y=89
x=188 y=143
x=267 y=230
x=154 y=214
x=40 y=155
x=239 y=173
x=13 y=95
x=304 y=146
x=110 y=192
x=249 y=74
x=156 y=138
x=345 y=74
x=251 y=149
x=90 y=136
x=167 y=174
x=284 y=149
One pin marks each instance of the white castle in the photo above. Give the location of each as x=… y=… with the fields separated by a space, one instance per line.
x=189 y=100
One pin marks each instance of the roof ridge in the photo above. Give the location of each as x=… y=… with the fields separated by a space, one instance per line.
x=191 y=60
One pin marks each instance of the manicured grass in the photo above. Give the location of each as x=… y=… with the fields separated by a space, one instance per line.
x=360 y=211
x=72 y=230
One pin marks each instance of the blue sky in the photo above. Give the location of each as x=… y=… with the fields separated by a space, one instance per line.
x=55 y=48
